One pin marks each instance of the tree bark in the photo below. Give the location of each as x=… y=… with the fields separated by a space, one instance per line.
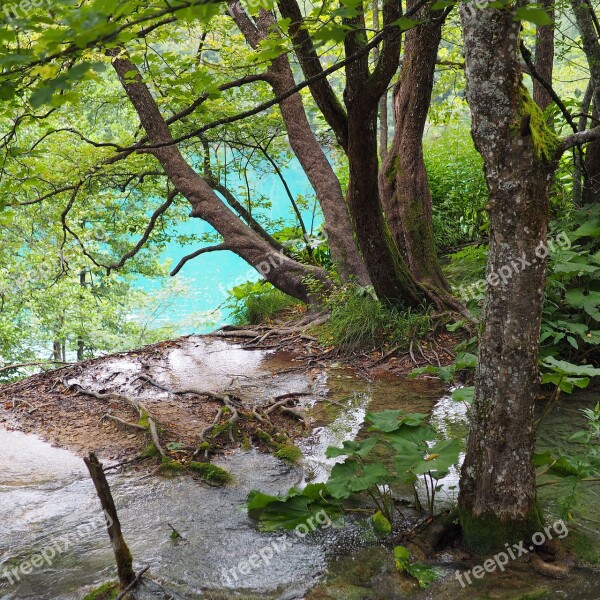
x=307 y=149
x=584 y=15
x=403 y=179
x=122 y=554
x=544 y=57
x=286 y=274
x=389 y=273
x=497 y=500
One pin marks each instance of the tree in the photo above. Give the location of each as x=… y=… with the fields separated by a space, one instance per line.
x=497 y=500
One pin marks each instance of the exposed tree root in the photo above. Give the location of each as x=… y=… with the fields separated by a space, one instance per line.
x=232 y=410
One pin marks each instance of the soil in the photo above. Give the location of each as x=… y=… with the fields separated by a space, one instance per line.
x=51 y=404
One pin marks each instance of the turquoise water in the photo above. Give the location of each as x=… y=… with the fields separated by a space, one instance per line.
x=196 y=305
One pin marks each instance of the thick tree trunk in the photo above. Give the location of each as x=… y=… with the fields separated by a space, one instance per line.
x=389 y=273
x=286 y=274
x=403 y=180
x=307 y=149
x=497 y=500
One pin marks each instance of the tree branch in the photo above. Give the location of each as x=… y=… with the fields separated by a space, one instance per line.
x=197 y=253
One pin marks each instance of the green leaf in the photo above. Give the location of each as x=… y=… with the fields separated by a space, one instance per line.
x=440 y=458
x=537 y=16
x=566 y=368
x=380 y=523
x=390 y=420
x=402 y=558
x=464 y=394
x=349 y=478
x=350 y=448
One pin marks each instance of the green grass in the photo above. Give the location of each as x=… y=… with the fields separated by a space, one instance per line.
x=256 y=303
x=358 y=322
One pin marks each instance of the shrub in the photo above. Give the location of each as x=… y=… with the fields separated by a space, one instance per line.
x=458 y=187
x=252 y=303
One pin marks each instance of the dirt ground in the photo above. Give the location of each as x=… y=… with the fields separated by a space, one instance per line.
x=256 y=367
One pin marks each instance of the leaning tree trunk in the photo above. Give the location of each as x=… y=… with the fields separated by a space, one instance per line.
x=293 y=278
x=403 y=180
x=308 y=151
x=497 y=500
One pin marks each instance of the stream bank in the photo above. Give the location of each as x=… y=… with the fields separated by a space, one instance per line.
x=46 y=496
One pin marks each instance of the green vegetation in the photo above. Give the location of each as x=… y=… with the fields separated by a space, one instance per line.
x=211 y=473
x=107 y=591
x=360 y=322
x=289 y=453
x=418 y=460
x=253 y=303
x=458 y=189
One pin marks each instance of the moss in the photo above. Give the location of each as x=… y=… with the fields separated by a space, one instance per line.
x=144 y=422
x=246 y=444
x=211 y=473
x=170 y=467
x=203 y=447
x=263 y=436
x=150 y=451
x=107 y=591
x=584 y=548
x=545 y=141
x=381 y=523
x=289 y=453
x=487 y=533
x=393 y=169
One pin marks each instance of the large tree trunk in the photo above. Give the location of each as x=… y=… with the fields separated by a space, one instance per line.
x=286 y=274
x=389 y=273
x=403 y=180
x=307 y=149
x=497 y=500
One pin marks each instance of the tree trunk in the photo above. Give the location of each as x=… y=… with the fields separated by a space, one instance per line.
x=389 y=273
x=544 y=57
x=284 y=273
x=311 y=157
x=121 y=551
x=591 y=186
x=584 y=15
x=403 y=180
x=497 y=500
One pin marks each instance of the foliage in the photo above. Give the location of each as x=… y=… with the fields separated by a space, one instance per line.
x=411 y=447
x=258 y=302
x=458 y=189
x=295 y=508
x=424 y=574
x=360 y=322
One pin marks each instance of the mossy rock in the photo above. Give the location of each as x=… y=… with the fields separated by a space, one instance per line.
x=170 y=467
x=107 y=591
x=289 y=453
x=211 y=473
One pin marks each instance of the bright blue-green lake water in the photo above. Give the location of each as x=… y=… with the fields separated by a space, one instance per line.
x=197 y=303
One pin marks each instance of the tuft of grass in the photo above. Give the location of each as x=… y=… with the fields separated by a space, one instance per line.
x=255 y=303
x=211 y=473
x=359 y=322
